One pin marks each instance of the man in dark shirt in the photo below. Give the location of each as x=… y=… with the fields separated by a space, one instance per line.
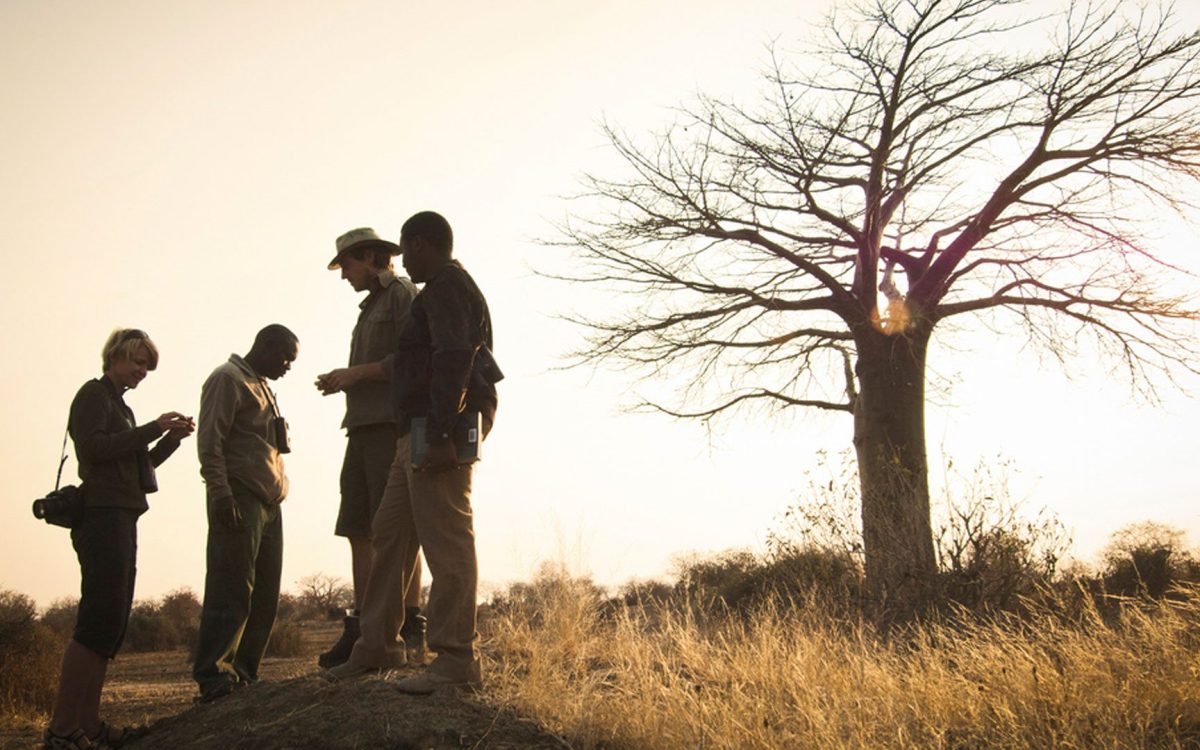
x=444 y=372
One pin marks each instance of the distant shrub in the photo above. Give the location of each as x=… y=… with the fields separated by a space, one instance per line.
x=29 y=658
x=741 y=581
x=990 y=554
x=287 y=638
x=1147 y=559
x=725 y=579
x=290 y=607
x=164 y=624
x=148 y=630
x=181 y=609
x=552 y=584
x=60 y=616
x=645 y=593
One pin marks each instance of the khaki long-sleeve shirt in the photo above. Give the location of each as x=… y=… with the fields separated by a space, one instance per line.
x=235 y=434
x=384 y=316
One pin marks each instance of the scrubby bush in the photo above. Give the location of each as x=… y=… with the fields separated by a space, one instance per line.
x=29 y=658
x=991 y=555
x=164 y=624
x=289 y=607
x=551 y=584
x=181 y=609
x=644 y=593
x=59 y=617
x=792 y=575
x=287 y=638
x=149 y=630
x=17 y=611
x=1147 y=559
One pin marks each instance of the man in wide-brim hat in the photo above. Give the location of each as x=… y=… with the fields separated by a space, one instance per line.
x=365 y=261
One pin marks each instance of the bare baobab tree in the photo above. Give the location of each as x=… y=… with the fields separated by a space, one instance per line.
x=933 y=159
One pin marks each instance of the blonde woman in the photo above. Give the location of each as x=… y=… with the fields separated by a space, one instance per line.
x=116 y=466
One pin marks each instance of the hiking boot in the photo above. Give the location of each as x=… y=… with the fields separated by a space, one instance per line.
x=216 y=691
x=341 y=650
x=413 y=633
x=348 y=671
x=428 y=683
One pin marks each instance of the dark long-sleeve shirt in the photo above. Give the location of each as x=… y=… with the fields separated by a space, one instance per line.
x=435 y=375
x=115 y=467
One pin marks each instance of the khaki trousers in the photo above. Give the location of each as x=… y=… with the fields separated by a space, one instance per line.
x=430 y=512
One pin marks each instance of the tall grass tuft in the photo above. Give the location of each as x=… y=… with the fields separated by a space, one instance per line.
x=783 y=676
x=29 y=659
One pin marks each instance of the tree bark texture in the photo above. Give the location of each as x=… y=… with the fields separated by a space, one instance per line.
x=889 y=440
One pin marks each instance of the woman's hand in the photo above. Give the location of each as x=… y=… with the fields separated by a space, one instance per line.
x=182 y=430
x=175 y=424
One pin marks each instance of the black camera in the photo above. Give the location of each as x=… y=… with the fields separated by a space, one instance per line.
x=283 y=443
x=62 y=507
x=485 y=366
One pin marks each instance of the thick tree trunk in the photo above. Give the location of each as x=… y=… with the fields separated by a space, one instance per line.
x=889 y=439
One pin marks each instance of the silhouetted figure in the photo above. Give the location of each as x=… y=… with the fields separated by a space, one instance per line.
x=116 y=466
x=439 y=380
x=365 y=261
x=241 y=437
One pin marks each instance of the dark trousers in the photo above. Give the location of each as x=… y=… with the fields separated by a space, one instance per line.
x=106 y=543
x=241 y=594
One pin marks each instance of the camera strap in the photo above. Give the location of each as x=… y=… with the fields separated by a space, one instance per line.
x=62 y=461
x=271 y=400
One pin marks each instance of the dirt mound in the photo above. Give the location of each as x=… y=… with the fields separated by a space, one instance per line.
x=308 y=712
x=293 y=707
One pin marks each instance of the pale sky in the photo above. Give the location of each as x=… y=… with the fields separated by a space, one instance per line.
x=184 y=168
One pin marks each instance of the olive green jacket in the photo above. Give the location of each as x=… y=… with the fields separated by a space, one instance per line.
x=235 y=435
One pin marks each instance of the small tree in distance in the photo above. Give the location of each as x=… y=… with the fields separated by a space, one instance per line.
x=323 y=595
x=937 y=159
x=1147 y=558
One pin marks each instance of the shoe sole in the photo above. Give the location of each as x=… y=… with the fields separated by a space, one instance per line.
x=329 y=676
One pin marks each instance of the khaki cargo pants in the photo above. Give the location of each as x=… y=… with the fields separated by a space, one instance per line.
x=430 y=512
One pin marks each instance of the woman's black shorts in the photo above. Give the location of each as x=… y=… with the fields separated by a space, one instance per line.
x=106 y=543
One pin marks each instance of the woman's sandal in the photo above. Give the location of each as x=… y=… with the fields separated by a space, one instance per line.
x=105 y=735
x=77 y=740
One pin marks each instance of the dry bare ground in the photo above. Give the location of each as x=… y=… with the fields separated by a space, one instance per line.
x=294 y=708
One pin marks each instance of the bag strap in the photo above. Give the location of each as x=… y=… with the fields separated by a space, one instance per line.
x=271 y=399
x=62 y=461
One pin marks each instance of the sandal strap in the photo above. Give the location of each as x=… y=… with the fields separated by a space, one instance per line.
x=104 y=735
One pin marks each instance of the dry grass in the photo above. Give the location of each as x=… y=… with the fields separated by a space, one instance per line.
x=29 y=662
x=781 y=679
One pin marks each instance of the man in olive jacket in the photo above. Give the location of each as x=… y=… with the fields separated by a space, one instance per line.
x=241 y=435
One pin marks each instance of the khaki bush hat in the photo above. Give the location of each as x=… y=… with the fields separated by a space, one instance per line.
x=362 y=237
